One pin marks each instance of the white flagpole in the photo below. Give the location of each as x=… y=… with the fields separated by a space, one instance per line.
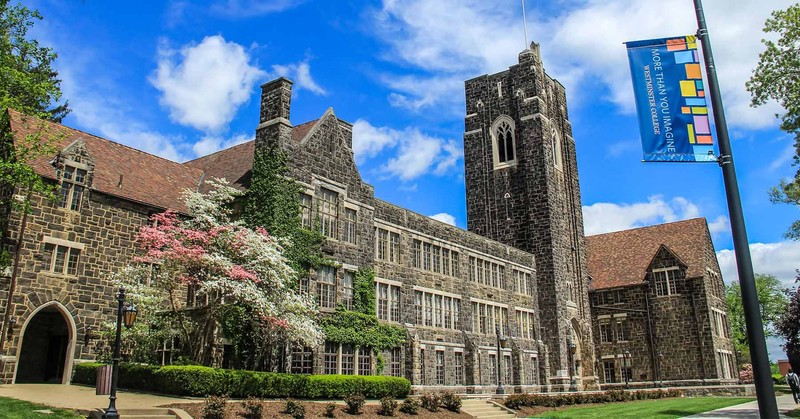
x=525 y=25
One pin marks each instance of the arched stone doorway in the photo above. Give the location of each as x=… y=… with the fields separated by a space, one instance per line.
x=45 y=354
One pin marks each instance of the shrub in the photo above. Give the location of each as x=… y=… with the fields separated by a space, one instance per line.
x=746 y=374
x=516 y=401
x=410 y=406
x=778 y=379
x=388 y=406
x=214 y=407
x=451 y=401
x=354 y=403
x=252 y=408
x=330 y=408
x=431 y=401
x=295 y=409
x=199 y=381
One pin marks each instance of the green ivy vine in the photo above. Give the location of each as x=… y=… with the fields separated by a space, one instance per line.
x=360 y=327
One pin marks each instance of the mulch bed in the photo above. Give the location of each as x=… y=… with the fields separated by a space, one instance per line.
x=315 y=410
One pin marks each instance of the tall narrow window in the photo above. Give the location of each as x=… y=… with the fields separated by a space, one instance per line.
x=364 y=361
x=326 y=286
x=503 y=141
x=330 y=357
x=73 y=183
x=440 y=368
x=534 y=371
x=394 y=247
x=350 y=216
x=302 y=361
x=347 y=290
x=328 y=212
x=459 y=368
x=394 y=364
x=555 y=143
x=305 y=210
x=348 y=360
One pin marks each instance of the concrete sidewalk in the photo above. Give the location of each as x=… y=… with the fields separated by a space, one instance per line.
x=748 y=410
x=83 y=398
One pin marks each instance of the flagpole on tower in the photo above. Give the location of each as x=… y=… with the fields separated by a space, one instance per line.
x=525 y=25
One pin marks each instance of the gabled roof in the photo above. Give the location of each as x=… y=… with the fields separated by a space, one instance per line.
x=621 y=258
x=236 y=163
x=119 y=170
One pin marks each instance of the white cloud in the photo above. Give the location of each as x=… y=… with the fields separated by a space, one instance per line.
x=300 y=74
x=720 y=225
x=621 y=147
x=101 y=115
x=210 y=144
x=445 y=218
x=779 y=259
x=251 y=8
x=416 y=153
x=419 y=92
x=430 y=36
x=203 y=85
x=604 y=217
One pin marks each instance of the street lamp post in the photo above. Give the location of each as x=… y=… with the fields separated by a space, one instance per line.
x=500 y=341
x=128 y=314
x=571 y=352
x=626 y=363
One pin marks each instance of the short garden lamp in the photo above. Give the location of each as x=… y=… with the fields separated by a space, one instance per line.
x=572 y=349
x=626 y=364
x=501 y=343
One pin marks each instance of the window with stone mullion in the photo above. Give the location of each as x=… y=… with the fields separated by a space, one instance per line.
x=394 y=247
x=347 y=290
x=326 y=287
x=458 y=368
x=302 y=361
x=383 y=244
x=348 y=360
x=350 y=216
x=394 y=303
x=328 y=212
x=364 y=361
x=330 y=358
x=440 y=368
x=394 y=363
x=382 y=303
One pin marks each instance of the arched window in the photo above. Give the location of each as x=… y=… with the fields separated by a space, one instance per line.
x=503 y=142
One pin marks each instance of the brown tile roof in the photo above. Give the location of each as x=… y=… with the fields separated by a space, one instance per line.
x=236 y=163
x=146 y=178
x=621 y=258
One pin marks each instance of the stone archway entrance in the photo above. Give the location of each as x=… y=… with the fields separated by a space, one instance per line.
x=46 y=346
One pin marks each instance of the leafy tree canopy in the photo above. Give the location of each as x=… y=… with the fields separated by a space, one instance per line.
x=788 y=326
x=28 y=82
x=777 y=77
x=773 y=302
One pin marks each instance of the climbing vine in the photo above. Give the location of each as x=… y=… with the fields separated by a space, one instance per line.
x=360 y=326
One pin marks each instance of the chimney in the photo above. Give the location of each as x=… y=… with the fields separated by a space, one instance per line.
x=276 y=100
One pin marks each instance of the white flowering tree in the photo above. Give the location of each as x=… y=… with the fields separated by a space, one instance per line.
x=231 y=269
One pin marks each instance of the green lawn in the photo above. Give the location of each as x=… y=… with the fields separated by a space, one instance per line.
x=18 y=409
x=651 y=409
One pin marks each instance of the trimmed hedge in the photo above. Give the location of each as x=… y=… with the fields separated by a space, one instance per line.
x=515 y=401
x=193 y=380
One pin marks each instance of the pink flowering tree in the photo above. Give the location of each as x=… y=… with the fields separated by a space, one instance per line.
x=211 y=266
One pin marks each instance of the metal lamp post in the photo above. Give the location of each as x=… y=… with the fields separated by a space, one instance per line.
x=128 y=314
x=571 y=352
x=500 y=343
x=626 y=363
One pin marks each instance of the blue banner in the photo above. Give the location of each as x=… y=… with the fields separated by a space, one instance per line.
x=671 y=100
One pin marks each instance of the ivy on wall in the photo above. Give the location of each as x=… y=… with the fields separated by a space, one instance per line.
x=360 y=327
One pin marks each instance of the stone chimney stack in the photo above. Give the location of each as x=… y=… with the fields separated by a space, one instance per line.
x=276 y=101
x=274 y=127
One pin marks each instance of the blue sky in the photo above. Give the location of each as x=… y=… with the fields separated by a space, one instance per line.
x=180 y=79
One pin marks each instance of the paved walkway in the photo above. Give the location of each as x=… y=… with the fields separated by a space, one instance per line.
x=82 y=397
x=748 y=410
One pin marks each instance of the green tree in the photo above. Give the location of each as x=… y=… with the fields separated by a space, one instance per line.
x=773 y=301
x=788 y=326
x=777 y=77
x=28 y=82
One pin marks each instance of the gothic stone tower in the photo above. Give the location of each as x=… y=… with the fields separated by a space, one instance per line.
x=522 y=190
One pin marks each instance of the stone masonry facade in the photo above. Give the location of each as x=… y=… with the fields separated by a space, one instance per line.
x=513 y=291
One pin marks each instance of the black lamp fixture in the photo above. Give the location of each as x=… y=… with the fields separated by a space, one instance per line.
x=626 y=362
x=12 y=322
x=126 y=312
x=571 y=351
x=501 y=343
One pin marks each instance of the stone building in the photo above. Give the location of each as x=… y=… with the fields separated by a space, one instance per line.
x=658 y=307
x=520 y=271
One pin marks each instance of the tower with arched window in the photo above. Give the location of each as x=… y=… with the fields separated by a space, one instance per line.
x=522 y=190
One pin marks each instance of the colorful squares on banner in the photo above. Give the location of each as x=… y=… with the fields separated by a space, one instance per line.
x=683 y=57
x=691 y=42
x=700 y=110
x=688 y=88
x=693 y=71
x=676 y=44
x=701 y=125
x=695 y=101
x=690 y=129
x=705 y=139
x=686 y=110
x=701 y=93
x=699 y=84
